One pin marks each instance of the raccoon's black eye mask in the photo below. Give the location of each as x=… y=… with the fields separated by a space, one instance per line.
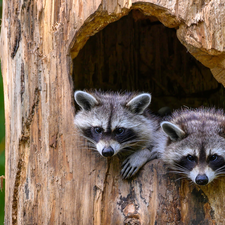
x=123 y=135
x=119 y=130
x=188 y=162
x=191 y=158
x=98 y=130
x=120 y=134
x=212 y=158
x=215 y=162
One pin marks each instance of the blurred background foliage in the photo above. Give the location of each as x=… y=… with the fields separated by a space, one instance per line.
x=2 y=140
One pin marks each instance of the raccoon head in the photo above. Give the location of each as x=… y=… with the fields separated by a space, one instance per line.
x=112 y=122
x=199 y=155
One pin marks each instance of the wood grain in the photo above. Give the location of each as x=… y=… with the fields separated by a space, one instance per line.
x=51 y=178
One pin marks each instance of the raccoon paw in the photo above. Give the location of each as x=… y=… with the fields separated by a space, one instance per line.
x=134 y=162
x=128 y=170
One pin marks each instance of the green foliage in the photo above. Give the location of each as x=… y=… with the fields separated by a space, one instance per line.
x=2 y=139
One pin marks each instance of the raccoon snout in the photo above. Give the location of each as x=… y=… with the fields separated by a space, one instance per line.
x=201 y=179
x=108 y=151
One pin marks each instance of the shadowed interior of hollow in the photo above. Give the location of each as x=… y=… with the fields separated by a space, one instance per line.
x=138 y=53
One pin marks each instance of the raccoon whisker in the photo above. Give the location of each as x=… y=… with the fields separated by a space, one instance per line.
x=86 y=145
x=135 y=146
x=132 y=139
x=92 y=141
x=81 y=140
x=177 y=172
x=220 y=174
x=126 y=150
x=177 y=164
x=92 y=148
x=177 y=167
x=180 y=178
x=132 y=148
x=82 y=146
x=191 y=183
x=221 y=169
x=136 y=141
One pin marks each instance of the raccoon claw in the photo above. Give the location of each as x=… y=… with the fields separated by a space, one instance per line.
x=124 y=162
x=129 y=172
x=129 y=168
x=134 y=162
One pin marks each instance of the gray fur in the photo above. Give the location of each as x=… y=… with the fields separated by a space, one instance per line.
x=111 y=111
x=201 y=135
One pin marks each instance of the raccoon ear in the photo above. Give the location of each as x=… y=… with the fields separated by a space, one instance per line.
x=173 y=131
x=139 y=103
x=84 y=100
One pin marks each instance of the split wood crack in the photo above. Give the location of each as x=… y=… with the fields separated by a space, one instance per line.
x=24 y=140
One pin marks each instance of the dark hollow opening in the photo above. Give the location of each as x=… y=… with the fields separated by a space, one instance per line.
x=138 y=53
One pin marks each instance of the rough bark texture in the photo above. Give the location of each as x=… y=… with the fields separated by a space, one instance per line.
x=50 y=177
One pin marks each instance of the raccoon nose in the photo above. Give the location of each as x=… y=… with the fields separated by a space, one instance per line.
x=107 y=151
x=201 y=179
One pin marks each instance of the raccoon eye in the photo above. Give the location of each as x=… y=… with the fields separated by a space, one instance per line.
x=191 y=158
x=98 y=130
x=119 y=130
x=213 y=157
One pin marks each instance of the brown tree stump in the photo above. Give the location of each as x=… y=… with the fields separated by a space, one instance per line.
x=50 y=177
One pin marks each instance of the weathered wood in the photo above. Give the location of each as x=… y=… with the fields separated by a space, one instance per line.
x=50 y=177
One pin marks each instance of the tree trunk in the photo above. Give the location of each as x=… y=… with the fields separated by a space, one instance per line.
x=51 y=178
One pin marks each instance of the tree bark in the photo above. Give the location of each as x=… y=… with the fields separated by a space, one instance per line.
x=51 y=178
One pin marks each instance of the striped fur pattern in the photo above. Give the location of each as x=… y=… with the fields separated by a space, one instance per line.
x=195 y=144
x=118 y=124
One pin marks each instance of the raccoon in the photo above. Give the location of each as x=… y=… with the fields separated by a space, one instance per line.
x=195 y=144
x=118 y=124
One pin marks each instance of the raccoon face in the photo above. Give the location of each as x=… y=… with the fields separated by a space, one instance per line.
x=199 y=156
x=109 y=142
x=112 y=122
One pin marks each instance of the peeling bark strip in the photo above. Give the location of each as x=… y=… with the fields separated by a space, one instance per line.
x=22 y=81
x=28 y=120
x=51 y=177
x=17 y=38
x=16 y=192
x=23 y=146
x=1 y=182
